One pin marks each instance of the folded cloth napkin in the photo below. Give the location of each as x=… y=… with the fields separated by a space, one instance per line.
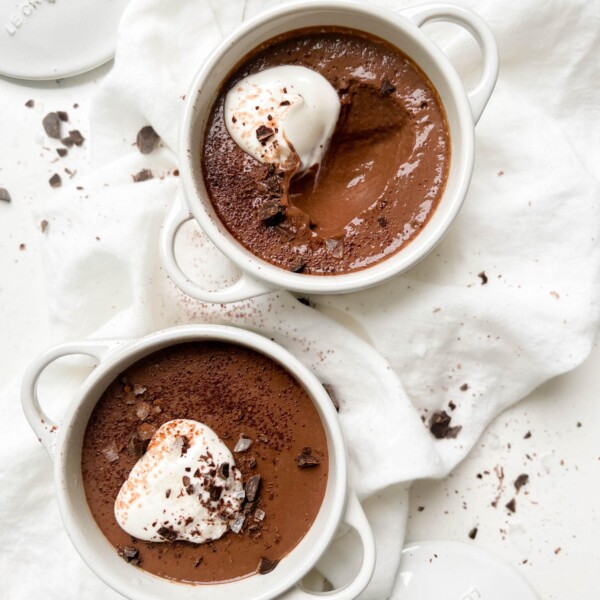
x=530 y=223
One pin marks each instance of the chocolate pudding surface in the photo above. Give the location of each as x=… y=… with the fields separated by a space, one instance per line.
x=235 y=391
x=381 y=178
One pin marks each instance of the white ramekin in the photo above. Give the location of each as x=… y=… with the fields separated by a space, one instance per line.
x=64 y=443
x=402 y=29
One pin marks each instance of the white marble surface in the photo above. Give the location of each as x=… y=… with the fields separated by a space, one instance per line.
x=551 y=538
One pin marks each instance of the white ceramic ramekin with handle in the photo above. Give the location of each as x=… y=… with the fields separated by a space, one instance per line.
x=402 y=29
x=64 y=442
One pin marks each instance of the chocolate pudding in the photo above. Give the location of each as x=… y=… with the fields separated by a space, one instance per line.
x=382 y=173
x=263 y=418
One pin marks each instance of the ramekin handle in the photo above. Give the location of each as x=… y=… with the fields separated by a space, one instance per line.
x=43 y=426
x=244 y=288
x=356 y=518
x=480 y=30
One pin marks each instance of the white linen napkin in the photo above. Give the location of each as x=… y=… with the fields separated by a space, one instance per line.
x=530 y=223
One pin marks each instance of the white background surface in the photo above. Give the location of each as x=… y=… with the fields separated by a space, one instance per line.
x=552 y=538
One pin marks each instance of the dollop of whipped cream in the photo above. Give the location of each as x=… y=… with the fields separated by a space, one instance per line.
x=185 y=487
x=283 y=114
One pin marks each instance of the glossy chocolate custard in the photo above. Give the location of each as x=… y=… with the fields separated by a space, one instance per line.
x=255 y=476
x=381 y=175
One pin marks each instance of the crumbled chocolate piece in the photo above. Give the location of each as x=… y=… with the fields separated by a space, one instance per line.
x=464 y=387
x=266 y=565
x=272 y=213
x=43 y=225
x=306 y=459
x=76 y=137
x=331 y=394
x=70 y=173
x=51 y=124
x=136 y=446
x=111 y=452
x=142 y=175
x=297 y=265
x=512 y=505
x=243 y=444
x=520 y=481
x=62 y=152
x=284 y=103
x=527 y=435
x=55 y=181
x=146 y=431
x=259 y=514
x=483 y=276
x=22 y=247
x=4 y=195
x=237 y=525
x=185 y=444
x=67 y=141
x=473 y=533
x=138 y=389
x=147 y=139
x=386 y=88
x=420 y=508
x=168 y=493
x=129 y=554
x=167 y=533
x=215 y=492
x=252 y=488
x=142 y=411
x=335 y=248
x=451 y=405
x=224 y=471
x=198 y=562
x=30 y=104
x=382 y=221
x=439 y=425
x=263 y=133
x=62 y=115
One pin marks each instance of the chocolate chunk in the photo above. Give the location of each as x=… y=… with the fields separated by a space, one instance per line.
x=266 y=565
x=252 y=488
x=30 y=104
x=335 y=248
x=243 y=444
x=439 y=425
x=451 y=405
x=297 y=265
x=111 y=452
x=527 y=435
x=331 y=393
x=284 y=103
x=186 y=481
x=142 y=175
x=168 y=533
x=62 y=115
x=147 y=139
x=146 y=431
x=51 y=124
x=464 y=387
x=473 y=533
x=136 y=446
x=272 y=213
x=130 y=554
x=520 y=481
x=4 y=195
x=215 y=492
x=62 y=152
x=67 y=141
x=512 y=505
x=76 y=137
x=306 y=459
x=224 y=471
x=55 y=181
x=483 y=276
x=386 y=88
x=264 y=133
x=185 y=444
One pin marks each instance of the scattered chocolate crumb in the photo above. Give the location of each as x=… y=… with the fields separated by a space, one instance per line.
x=43 y=225
x=421 y=508
x=527 y=435
x=439 y=425
x=266 y=565
x=22 y=247
x=30 y=104
x=284 y=103
x=130 y=554
x=578 y=423
x=136 y=446
x=451 y=405
x=75 y=105
x=168 y=493
x=272 y=213
x=382 y=221
x=55 y=181
x=142 y=175
x=520 y=481
x=168 y=533
x=51 y=124
x=297 y=265
x=331 y=393
x=335 y=247
x=464 y=387
x=252 y=488
x=306 y=459
x=387 y=88
x=512 y=505
x=4 y=195
x=473 y=533
x=500 y=173
x=67 y=141
x=70 y=173
x=62 y=152
x=62 y=115
x=176 y=172
x=146 y=431
x=76 y=136
x=263 y=133
x=484 y=277
x=147 y=139
x=557 y=550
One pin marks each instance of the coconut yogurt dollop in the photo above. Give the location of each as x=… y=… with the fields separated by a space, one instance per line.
x=185 y=487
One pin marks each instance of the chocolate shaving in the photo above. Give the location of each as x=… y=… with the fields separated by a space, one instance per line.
x=76 y=137
x=306 y=459
x=62 y=115
x=331 y=394
x=266 y=565
x=129 y=554
x=51 y=124
x=386 y=88
x=464 y=387
x=483 y=276
x=43 y=225
x=30 y=104
x=4 y=195
x=473 y=533
x=135 y=446
x=215 y=492
x=512 y=505
x=272 y=213
x=439 y=425
x=527 y=435
x=142 y=175
x=67 y=141
x=147 y=139
x=55 y=181
x=252 y=488
x=168 y=533
x=284 y=103
x=62 y=152
x=520 y=481
x=263 y=133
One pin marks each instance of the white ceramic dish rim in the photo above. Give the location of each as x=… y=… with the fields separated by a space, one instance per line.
x=339 y=506
x=463 y=109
